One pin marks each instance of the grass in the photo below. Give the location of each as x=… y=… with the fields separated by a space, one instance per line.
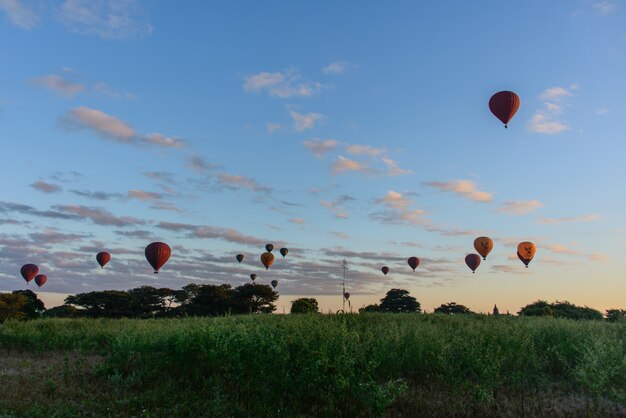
x=314 y=365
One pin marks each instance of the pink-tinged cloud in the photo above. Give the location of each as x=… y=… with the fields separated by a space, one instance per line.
x=273 y=127
x=163 y=141
x=144 y=195
x=598 y=257
x=106 y=90
x=226 y=234
x=59 y=85
x=298 y=221
x=582 y=218
x=463 y=188
x=19 y=13
x=395 y=200
x=343 y=164
x=302 y=122
x=54 y=236
x=100 y=123
x=364 y=150
x=174 y=226
x=199 y=163
x=561 y=249
x=319 y=147
x=235 y=182
x=393 y=169
x=99 y=216
x=42 y=186
x=284 y=84
x=339 y=234
x=520 y=207
x=546 y=120
x=544 y=124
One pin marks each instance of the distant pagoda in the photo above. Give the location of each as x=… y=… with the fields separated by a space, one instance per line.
x=495 y=310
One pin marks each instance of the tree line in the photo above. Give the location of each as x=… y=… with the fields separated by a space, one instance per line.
x=218 y=300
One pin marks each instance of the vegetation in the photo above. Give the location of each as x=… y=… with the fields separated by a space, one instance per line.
x=304 y=305
x=313 y=365
x=398 y=300
x=560 y=310
x=452 y=309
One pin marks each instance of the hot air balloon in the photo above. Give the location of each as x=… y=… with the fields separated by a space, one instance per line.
x=503 y=105
x=413 y=262
x=157 y=255
x=267 y=259
x=29 y=271
x=284 y=251
x=269 y=247
x=103 y=258
x=274 y=283
x=41 y=279
x=472 y=261
x=483 y=246
x=239 y=257
x=346 y=295
x=253 y=277
x=526 y=251
x=385 y=270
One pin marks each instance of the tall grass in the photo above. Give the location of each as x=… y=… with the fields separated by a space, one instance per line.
x=344 y=365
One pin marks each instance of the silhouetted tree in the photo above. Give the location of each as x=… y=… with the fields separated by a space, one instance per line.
x=13 y=306
x=398 y=300
x=616 y=315
x=34 y=307
x=539 y=308
x=370 y=308
x=104 y=304
x=452 y=309
x=207 y=300
x=146 y=301
x=304 y=305
x=560 y=310
x=63 y=311
x=250 y=298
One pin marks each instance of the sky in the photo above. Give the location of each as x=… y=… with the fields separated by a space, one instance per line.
x=340 y=130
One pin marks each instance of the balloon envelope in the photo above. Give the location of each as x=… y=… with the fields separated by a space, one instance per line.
x=239 y=257
x=503 y=105
x=526 y=251
x=253 y=276
x=269 y=247
x=483 y=246
x=103 y=258
x=385 y=270
x=413 y=262
x=472 y=261
x=346 y=295
x=157 y=255
x=29 y=271
x=284 y=251
x=274 y=283
x=41 y=279
x=267 y=259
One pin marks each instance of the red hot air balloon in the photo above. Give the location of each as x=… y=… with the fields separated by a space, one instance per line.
x=269 y=247
x=346 y=295
x=274 y=283
x=283 y=252
x=103 y=258
x=41 y=279
x=239 y=257
x=253 y=277
x=267 y=259
x=29 y=271
x=157 y=255
x=413 y=262
x=385 y=270
x=472 y=261
x=503 y=105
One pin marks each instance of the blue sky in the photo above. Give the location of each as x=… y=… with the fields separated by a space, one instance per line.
x=351 y=130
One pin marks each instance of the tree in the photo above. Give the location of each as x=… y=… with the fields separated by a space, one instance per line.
x=616 y=315
x=104 y=304
x=147 y=301
x=13 y=306
x=560 y=310
x=452 y=309
x=63 y=311
x=539 y=308
x=34 y=306
x=398 y=300
x=251 y=298
x=304 y=305
x=370 y=308
x=207 y=300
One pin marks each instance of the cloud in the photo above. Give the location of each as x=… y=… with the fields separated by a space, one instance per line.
x=106 y=90
x=298 y=221
x=144 y=196
x=561 y=249
x=463 y=188
x=320 y=147
x=96 y=195
x=339 y=234
x=343 y=164
x=226 y=234
x=273 y=127
x=163 y=141
x=334 y=68
x=54 y=236
x=364 y=150
x=284 y=84
x=603 y=111
x=111 y=19
x=395 y=200
x=400 y=210
x=393 y=169
x=542 y=123
x=199 y=163
x=598 y=257
x=554 y=93
x=59 y=85
x=19 y=14
x=6 y=207
x=100 y=123
x=98 y=216
x=241 y=182
x=546 y=120
x=42 y=186
x=520 y=207
x=303 y=122
x=582 y=218
x=605 y=7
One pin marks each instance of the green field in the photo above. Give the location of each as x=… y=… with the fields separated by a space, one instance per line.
x=313 y=365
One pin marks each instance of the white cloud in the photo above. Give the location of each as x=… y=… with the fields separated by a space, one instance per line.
x=364 y=150
x=393 y=169
x=109 y=19
x=399 y=211
x=598 y=257
x=284 y=84
x=19 y=14
x=544 y=124
x=298 y=221
x=583 y=218
x=463 y=188
x=163 y=141
x=561 y=249
x=273 y=127
x=520 y=207
x=343 y=164
x=101 y=123
x=106 y=90
x=545 y=121
x=241 y=182
x=320 y=147
x=554 y=93
x=605 y=7
x=58 y=84
x=302 y=122
x=602 y=111
x=337 y=67
x=395 y=200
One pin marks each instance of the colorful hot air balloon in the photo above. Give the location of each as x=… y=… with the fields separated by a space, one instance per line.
x=385 y=270
x=526 y=251
x=269 y=247
x=413 y=262
x=483 y=246
x=29 y=271
x=472 y=261
x=503 y=105
x=267 y=259
x=274 y=283
x=103 y=258
x=41 y=279
x=239 y=257
x=284 y=251
x=157 y=255
x=253 y=277
x=346 y=295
